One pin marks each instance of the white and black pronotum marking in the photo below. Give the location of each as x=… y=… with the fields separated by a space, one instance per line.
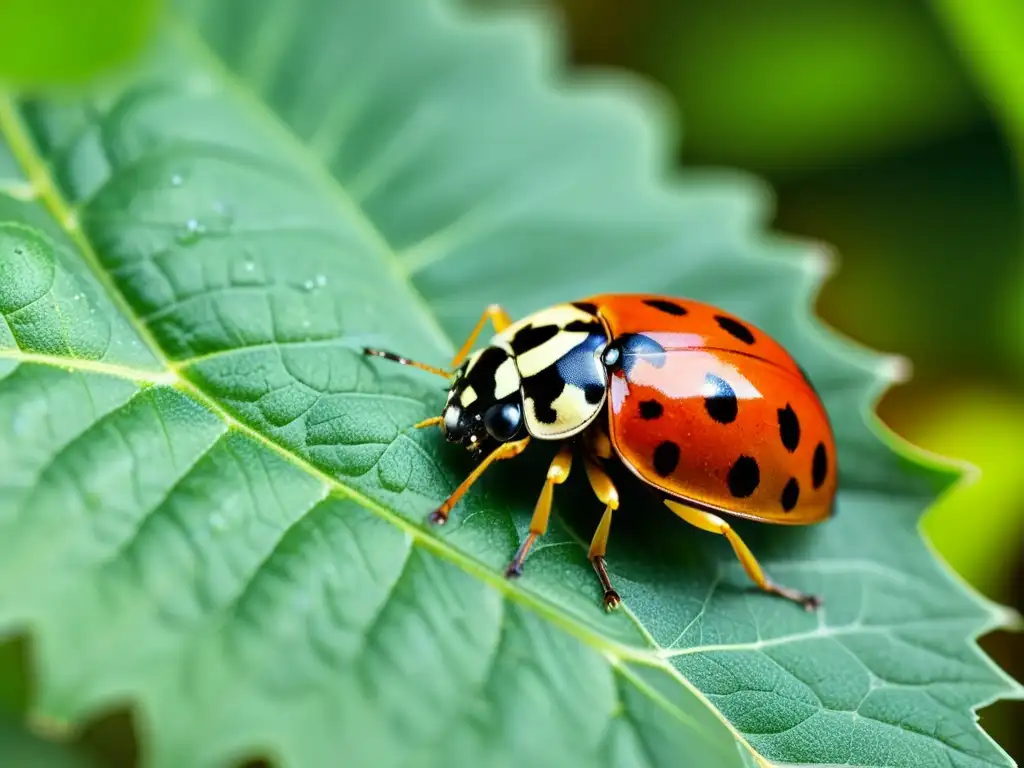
x=543 y=374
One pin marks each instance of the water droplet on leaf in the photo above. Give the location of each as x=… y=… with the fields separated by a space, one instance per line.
x=191 y=233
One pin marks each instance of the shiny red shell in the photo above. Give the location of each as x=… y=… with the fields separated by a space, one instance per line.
x=722 y=417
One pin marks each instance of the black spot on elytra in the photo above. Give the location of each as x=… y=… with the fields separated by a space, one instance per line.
x=819 y=466
x=584 y=326
x=585 y=306
x=632 y=348
x=650 y=409
x=721 y=404
x=666 y=458
x=669 y=307
x=790 y=495
x=735 y=328
x=789 y=428
x=531 y=337
x=744 y=477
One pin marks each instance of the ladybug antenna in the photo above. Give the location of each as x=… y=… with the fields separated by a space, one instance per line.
x=406 y=361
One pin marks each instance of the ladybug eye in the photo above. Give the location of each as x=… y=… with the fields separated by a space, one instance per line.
x=503 y=420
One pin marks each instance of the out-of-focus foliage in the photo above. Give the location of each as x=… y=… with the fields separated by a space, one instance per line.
x=21 y=749
x=790 y=85
x=991 y=36
x=979 y=528
x=924 y=254
x=60 y=42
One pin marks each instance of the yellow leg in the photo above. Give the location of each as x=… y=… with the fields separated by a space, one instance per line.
x=498 y=317
x=433 y=421
x=605 y=490
x=709 y=522
x=558 y=473
x=503 y=451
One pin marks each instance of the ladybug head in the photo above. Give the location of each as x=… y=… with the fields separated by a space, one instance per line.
x=484 y=406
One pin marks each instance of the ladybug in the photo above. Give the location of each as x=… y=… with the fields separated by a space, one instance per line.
x=706 y=409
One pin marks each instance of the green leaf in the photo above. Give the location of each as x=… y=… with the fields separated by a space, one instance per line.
x=53 y=42
x=17 y=747
x=988 y=37
x=213 y=507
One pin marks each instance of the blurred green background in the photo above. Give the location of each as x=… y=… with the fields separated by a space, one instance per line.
x=891 y=130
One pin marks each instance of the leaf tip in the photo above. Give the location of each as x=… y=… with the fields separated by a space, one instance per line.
x=895 y=369
x=1006 y=617
x=820 y=262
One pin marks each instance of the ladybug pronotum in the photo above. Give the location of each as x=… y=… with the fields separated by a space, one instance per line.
x=706 y=409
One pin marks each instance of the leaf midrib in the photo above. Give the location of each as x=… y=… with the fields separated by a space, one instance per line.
x=175 y=373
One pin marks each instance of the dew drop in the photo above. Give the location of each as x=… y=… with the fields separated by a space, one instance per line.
x=308 y=285
x=217 y=522
x=249 y=265
x=321 y=280
x=176 y=180
x=191 y=233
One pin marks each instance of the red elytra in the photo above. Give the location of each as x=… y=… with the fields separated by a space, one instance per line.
x=752 y=434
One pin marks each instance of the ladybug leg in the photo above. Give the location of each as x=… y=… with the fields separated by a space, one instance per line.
x=433 y=421
x=709 y=522
x=498 y=317
x=503 y=451
x=605 y=490
x=558 y=473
